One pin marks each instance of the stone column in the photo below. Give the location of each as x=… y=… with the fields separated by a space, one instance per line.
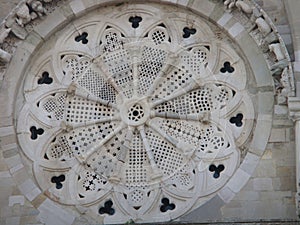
x=294 y=112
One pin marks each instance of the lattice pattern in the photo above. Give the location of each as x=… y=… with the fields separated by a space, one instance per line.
x=112 y=40
x=168 y=158
x=174 y=81
x=90 y=181
x=159 y=35
x=125 y=135
x=82 y=139
x=118 y=64
x=115 y=146
x=74 y=65
x=59 y=149
x=204 y=99
x=185 y=178
x=54 y=106
x=83 y=110
x=102 y=163
x=152 y=62
x=136 y=173
x=197 y=59
x=95 y=83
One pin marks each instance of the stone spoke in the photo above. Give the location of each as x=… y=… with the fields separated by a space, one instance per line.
x=116 y=177
x=156 y=172
x=76 y=90
x=71 y=126
x=135 y=71
x=108 y=76
x=183 y=147
x=168 y=65
x=202 y=117
x=97 y=145
x=184 y=90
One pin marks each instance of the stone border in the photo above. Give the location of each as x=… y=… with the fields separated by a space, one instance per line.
x=273 y=60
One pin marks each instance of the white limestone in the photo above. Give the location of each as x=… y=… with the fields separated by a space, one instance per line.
x=29 y=189
x=4 y=131
x=262 y=184
x=224 y=19
x=50 y=214
x=16 y=199
x=236 y=29
x=184 y=111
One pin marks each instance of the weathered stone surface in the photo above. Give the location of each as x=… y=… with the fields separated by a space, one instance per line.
x=50 y=213
x=262 y=184
x=211 y=212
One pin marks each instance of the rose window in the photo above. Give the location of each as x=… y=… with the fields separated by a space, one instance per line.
x=136 y=115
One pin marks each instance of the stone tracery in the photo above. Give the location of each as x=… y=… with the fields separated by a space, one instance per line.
x=147 y=120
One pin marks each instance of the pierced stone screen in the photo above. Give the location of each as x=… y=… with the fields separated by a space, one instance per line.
x=136 y=114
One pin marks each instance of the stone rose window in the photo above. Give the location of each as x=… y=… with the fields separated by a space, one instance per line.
x=137 y=112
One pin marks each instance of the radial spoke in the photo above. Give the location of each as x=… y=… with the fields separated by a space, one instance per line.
x=164 y=70
x=163 y=134
x=156 y=172
x=180 y=92
x=202 y=117
x=70 y=126
x=103 y=68
x=76 y=90
x=135 y=70
x=98 y=144
x=184 y=147
x=122 y=156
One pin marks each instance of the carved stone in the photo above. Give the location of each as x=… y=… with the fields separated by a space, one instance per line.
x=243 y=6
x=271 y=38
x=130 y=120
x=4 y=33
x=229 y=4
x=263 y=26
x=38 y=8
x=23 y=15
x=4 y=56
x=277 y=68
x=276 y=49
x=285 y=82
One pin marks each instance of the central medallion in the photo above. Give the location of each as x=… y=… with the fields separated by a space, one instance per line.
x=135 y=112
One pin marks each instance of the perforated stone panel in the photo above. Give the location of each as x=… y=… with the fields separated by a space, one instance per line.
x=140 y=114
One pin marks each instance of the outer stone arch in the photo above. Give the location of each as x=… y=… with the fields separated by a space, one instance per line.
x=260 y=66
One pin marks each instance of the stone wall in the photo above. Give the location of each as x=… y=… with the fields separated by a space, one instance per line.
x=270 y=193
x=6 y=6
